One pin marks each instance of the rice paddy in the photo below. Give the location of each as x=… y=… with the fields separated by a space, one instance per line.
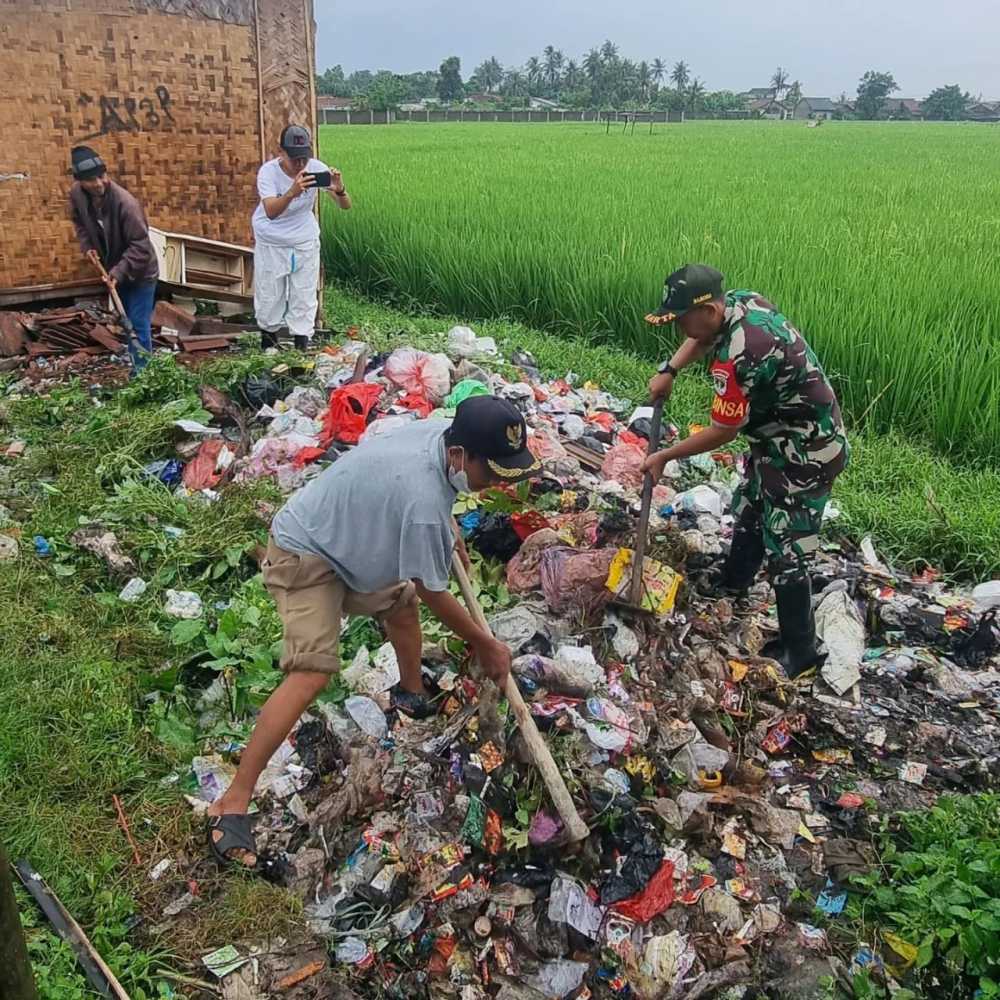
x=877 y=241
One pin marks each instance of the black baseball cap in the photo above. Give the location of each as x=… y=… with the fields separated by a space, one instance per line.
x=86 y=163
x=494 y=429
x=296 y=142
x=687 y=287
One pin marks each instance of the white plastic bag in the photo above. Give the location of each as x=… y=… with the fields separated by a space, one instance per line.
x=415 y=371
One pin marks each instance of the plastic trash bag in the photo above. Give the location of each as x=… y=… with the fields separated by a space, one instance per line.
x=347 y=415
x=463 y=343
x=463 y=390
x=573 y=580
x=623 y=463
x=419 y=372
x=260 y=390
x=524 y=570
x=205 y=470
x=495 y=538
x=420 y=405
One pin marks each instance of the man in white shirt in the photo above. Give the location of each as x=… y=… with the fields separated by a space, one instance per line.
x=286 y=237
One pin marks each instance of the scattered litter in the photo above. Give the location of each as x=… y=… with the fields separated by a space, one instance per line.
x=182 y=604
x=133 y=590
x=223 y=961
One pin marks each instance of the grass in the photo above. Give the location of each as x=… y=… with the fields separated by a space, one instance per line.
x=877 y=241
x=78 y=666
x=920 y=507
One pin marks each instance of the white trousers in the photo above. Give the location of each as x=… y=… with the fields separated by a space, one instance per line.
x=285 y=287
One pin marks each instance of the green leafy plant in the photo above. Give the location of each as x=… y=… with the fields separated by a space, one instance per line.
x=939 y=889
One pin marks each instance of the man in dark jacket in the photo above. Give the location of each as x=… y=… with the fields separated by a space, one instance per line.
x=111 y=227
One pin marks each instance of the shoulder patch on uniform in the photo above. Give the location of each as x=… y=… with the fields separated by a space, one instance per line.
x=730 y=405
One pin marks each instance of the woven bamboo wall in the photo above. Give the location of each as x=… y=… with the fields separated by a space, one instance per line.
x=167 y=91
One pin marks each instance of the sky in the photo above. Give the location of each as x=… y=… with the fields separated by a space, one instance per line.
x=730 y=44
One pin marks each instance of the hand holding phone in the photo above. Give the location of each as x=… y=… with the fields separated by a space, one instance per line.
x=321 y=178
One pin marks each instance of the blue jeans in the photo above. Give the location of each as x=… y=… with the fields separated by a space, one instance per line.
x=138 y=302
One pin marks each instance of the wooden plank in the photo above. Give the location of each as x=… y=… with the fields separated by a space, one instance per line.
x=96 y=970
x=16 y=979
x=106 y=339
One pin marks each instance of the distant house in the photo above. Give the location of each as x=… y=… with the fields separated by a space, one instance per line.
x=758 y=94
x=327 y=102
x=905 y=108
x=767 y=107
x=484 y=98
x=542 y=104
x=814 y=107
x=983 y=111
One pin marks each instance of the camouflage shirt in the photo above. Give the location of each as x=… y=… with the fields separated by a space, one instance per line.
x=769 y=383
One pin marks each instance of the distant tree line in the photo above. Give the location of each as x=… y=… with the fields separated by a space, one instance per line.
x=603 y=78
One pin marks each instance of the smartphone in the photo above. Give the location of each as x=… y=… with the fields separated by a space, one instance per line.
x=323 y=178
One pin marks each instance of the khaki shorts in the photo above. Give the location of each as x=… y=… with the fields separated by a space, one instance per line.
x=312 y=601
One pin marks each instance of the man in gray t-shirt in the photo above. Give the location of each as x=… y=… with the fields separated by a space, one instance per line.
x=369 y=536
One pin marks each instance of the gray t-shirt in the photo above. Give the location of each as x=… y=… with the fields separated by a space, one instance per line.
x=380 y=514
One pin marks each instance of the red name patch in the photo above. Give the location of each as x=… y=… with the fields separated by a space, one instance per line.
x=730 y=406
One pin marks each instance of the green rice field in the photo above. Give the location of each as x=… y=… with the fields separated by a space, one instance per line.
x=879 y=241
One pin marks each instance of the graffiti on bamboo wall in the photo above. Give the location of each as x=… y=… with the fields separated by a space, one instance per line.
x=109 y=113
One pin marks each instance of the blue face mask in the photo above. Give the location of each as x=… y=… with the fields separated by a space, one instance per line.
x=459 y=480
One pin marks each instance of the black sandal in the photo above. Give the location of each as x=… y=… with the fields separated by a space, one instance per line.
x=236 y=835
x=416 y=706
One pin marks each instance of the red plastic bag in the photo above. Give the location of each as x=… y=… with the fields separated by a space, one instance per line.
x=347 y=415
x=527 y=523
x=420 y=405
x=653 y=900
x=200 y=473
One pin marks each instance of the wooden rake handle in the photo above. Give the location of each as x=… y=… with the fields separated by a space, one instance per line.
x=635 y=590
x=537 y=747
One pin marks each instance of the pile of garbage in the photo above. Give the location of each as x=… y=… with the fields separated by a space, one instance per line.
x=725 y=803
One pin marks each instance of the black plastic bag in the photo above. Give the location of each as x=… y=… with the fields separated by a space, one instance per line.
x=495 y=538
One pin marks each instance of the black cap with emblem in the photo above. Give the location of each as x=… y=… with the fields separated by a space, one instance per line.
x=86 y=163
x=689 y=286
x=494 y=430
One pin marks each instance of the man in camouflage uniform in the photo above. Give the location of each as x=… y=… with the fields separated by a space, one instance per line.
x=769 y=385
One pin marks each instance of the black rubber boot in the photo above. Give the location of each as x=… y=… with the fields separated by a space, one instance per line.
x=746 y=554
x=302 y=344
x=268 y=338
x=796 y=650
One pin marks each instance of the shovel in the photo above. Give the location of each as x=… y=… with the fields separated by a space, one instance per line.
x=130 y=337
x=635 y=590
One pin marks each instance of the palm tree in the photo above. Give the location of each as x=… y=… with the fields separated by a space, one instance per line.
x=571 y=78
x=592 y=65
x=695 y=94
x=496 y=71
x=643 y=77
x=609 y=52
x=658 y=70
x=680 y=74
x=514 y=84
x=553 y=64
x=794 y=94
x=779 y=82
x=533 y=71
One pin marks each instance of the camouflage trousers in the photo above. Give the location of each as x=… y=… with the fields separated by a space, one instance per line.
x=781 y=529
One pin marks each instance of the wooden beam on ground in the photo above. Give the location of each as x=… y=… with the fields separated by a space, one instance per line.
x=101 y=978
x=16 y=979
